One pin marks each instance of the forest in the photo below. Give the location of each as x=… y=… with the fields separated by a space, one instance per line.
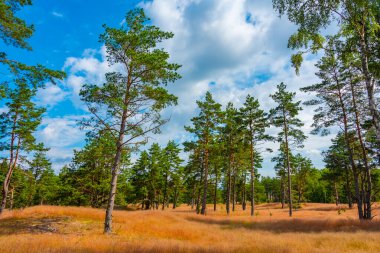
x=218 y=166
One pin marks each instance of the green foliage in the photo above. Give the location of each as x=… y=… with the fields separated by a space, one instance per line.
x=14 y=30
x=286 y=112
x=157 y=176
x=135 y=96
x=86 y=180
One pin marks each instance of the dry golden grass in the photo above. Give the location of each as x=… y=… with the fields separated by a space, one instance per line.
x=314 y=228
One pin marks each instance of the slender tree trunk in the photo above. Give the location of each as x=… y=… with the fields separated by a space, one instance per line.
x=299 y=197
x=369 y=82
x=112 y=195
x=359 y=201
x=368 y=192
x=216 y=187
x=175 y=198
x=288 y=166
x=165 y=191
x=349 y=150
x=234 y=190
x=193 y=197
x=348 y=187
x=11 y=166
x=252 y=182
x=115 y=173
x=11 y=200
x=205 y=185
x=336 y=194
x=198 y=205
x=282 y=192
x=244 y=204
x=228 y=199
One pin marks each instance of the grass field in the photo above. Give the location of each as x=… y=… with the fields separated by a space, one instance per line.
x=314 y=228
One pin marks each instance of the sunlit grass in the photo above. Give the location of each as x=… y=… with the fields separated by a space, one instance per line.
x=314 y=228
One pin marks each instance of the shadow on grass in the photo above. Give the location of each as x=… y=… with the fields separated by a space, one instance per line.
x=30 y=225
x=295 y=225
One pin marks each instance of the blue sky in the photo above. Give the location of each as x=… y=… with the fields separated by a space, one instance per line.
x=231 y=47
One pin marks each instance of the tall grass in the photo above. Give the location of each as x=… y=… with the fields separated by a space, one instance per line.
x=314 y=228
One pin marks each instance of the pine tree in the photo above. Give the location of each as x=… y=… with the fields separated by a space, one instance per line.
x=255 y=121
x=337 y=97
x=232 y=137
x=204 y=128
x=172 y=172
x=18 y=87
x=284 y=116
x=128 y=105
x=359 y=25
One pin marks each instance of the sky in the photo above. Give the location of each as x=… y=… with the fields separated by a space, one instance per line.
x=229 y=47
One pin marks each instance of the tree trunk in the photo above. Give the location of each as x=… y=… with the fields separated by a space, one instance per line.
x=165 y=192
x=369 y=82
x=205 y=185
x=243 y=198
x=115 y=172
x=368 y=192
x=112 y=195
x=193 y=197
x=282 y=192
x=336 y=194
x=349 y=150
x=11 y=200
x=252 y=182
x=234 y=190
x=288 y=166
x=348 y=187
x=228 y=199
x=11 y=166
x=175 y=198
x=216 y=187
x=198 y=204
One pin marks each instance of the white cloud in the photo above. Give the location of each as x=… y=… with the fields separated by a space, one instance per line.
x=241 y=46
x=61 y=135
x=50 y=96
x=57 y=14
x=90 y=68
x=233 y=48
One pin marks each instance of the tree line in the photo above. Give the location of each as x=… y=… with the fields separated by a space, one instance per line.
x=226 y=147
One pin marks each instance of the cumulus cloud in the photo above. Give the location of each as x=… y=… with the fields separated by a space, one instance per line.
x=232 y=48
x=51 y=95
x=90 y=68
x=61 y=135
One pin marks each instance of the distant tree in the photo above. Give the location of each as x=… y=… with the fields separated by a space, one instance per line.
x=284 y=116
x=89 y=171
x=204 y=127
x=232 y=138
x=37 y=167
x=140 y=180
x=280 y=166
x=47 y=187
x=255 y=121
x=128 y=105
x=171 y=171
x=303 y=168
x=155 y=177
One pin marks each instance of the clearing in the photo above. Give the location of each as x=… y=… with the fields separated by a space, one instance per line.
x=314 y=228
